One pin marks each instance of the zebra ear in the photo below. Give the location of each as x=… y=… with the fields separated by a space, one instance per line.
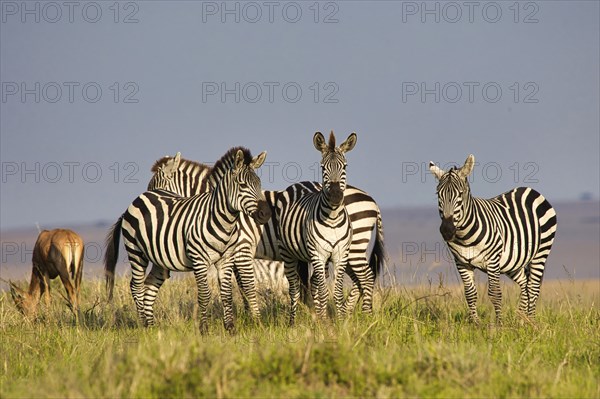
x=172 y=164
x=239 y=160
x=437 y=172
x=258 y=160
x=319 y=142
x=467 y=167
x=349 y=144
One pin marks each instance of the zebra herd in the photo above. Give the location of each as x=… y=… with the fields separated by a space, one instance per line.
x=194 y=216
x=190 y=233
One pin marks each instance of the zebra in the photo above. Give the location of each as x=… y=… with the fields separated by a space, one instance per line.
x=315 y=227
x=183 y=177
x=510 y=234
x=365 y=217
x=260 y=242
x=188 y=234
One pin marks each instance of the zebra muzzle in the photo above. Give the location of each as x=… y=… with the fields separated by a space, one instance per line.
x=447 y=228
x=263 y=213
x=336 y=194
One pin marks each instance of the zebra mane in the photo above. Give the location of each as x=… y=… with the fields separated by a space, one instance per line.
x=225 y=163
x=159 y=163
x=331 y=142
x=453 y=171
x=183 y=164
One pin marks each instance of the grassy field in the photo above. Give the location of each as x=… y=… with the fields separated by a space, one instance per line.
x=417 y=343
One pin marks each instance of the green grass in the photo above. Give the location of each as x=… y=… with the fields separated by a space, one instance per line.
x=417 y=343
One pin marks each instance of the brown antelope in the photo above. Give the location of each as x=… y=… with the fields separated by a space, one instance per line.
x=57 y=253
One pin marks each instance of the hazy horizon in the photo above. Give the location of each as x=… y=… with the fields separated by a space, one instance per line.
x=399 y=208
x=416 y=251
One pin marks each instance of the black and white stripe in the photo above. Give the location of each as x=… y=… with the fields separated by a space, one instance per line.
x=315 y=227
x=189 y=233
x=183 y=177
x=258 y=241
x=510 y=234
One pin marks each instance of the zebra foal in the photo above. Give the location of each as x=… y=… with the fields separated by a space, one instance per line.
x=510 y=234
x=189 y=234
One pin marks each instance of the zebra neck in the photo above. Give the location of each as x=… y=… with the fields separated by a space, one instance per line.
x=221 y=211
x=327 y=211
x=469 y=222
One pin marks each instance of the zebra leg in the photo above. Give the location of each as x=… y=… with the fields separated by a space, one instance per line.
x=314 y=290
x=494 y=291
x=355 y=292
x=338 y=293
x=363 y=284
x=225 y=272
x=291 y=273
x=238 y=280
x=466 y=274
x=534 y=283
x=154 y=281
x=244 y=270
x=321 y=288
x=519 y=276
x=138 y=274
x=201 y=277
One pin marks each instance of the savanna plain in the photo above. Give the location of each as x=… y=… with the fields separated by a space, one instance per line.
x=418 y=342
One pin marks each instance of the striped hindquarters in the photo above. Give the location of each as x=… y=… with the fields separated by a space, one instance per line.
x=156 y=225
x=528 y=226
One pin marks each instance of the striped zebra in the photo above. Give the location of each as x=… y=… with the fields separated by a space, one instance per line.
x=260 y=242
x=270 y=274
x=183 y=177
x=315 y=227
x=511 y=234
x=189 y=234
x=365 y=217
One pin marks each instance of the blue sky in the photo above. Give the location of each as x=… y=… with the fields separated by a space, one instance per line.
x=93 y=93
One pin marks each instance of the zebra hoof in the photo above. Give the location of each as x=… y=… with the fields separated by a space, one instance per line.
x=203 y=329
x=230 y=328
x=526 y=319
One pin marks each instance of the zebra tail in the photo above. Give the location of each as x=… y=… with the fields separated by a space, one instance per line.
x=378 y=256
x=111 y=255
